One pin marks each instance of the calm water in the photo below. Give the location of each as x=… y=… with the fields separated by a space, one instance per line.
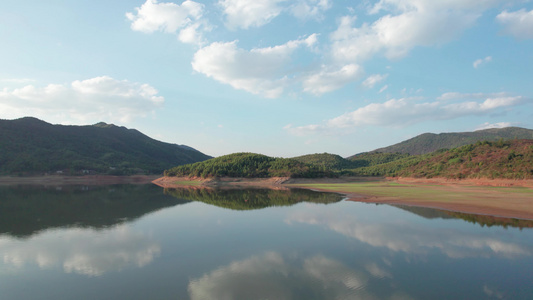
x=140 y=242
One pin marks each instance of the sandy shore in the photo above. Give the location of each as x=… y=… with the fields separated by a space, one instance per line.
x=501 y=198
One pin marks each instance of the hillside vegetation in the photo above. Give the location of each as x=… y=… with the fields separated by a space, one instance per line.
x=430 y=142
x=326 y=161
x=502 y=159
x=29 y=146
x=249 y=165
x=510 y=160
x=375 y=158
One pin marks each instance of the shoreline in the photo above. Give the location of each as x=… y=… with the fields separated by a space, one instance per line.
x=57 y=180
x=492 y=197
x=498 y=197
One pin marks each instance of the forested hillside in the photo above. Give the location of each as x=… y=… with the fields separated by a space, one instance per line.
x=29 y=146
x=429 y=142
x=249 y=165
x=326 y=160
x=501 y=159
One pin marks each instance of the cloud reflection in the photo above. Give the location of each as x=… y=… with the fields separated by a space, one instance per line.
x=414 y=238
x=271 y=276
x=79 y=250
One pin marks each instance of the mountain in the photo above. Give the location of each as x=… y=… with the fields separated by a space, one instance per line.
x=429 y=142
x=512 y=159
x=31 y=146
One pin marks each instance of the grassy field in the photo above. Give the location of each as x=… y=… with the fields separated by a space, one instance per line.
x=516 y=202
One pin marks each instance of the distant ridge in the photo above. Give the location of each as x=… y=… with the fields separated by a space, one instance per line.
x=429 y=142
x=31 y=146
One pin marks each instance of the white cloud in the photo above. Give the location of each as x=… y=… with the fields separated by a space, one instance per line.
x=271 y=276
x=383 y=88
x=488 y=125
x=327 y=80
x=246 y=14
x=83 y=251
x=399 y=236
x=407 y=111
x=459 y=96
x=408 y=24
x=171 y=18
x=305 y=9
x=480 y=61
x=518 y=24
x=96 y=99
x=372 y=80
x=262 y=71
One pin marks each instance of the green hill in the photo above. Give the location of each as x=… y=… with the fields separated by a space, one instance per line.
x=248 y=165
x=511 y=159
x=503 y=159
x=326 y=161
x=369 y=159
x=429 y=142
x=30 y=146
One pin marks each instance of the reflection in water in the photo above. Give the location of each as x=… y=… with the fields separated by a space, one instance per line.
x=83 y=251
x=25 y=210
x=482 y=220
x=413 y=238
x=271 y=276
x=249 y=199
x=345 y=250
x=78 y=228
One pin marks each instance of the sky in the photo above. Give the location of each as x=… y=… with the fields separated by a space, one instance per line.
x=278 y=77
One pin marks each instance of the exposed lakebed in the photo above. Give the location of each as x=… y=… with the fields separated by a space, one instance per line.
x=144 y=242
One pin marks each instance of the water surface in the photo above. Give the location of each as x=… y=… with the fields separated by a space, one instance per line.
x=143 y=242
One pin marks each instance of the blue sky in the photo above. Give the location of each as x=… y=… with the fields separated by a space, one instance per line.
x=278 y=77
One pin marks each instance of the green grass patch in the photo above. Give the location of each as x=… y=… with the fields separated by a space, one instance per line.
x=422 y=192
x=513 y=189
x=187 y=182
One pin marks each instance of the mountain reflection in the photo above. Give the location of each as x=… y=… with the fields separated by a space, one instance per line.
x=409 y=237
x=25 y=210
x=249 y=199
x=272 y=276
x=482 y=220
x=80 y=250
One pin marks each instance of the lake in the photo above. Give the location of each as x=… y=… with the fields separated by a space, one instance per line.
x=144 y=242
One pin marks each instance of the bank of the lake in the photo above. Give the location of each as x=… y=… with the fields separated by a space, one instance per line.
x=57 y=180
x=500 y=197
